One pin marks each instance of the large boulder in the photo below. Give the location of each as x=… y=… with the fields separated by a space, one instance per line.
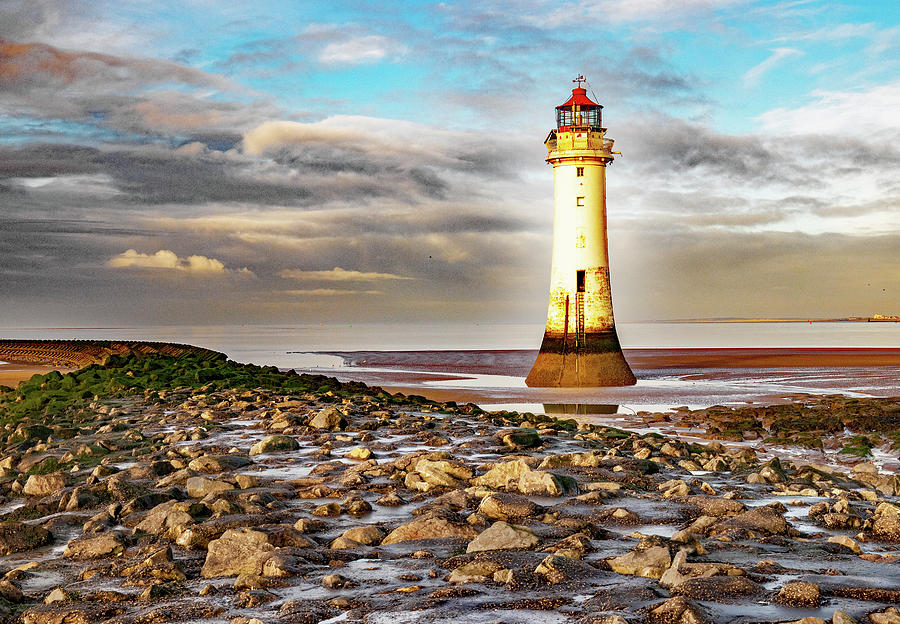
x=443 y=473
x=238 y=551
x=199 y=487
x=503 y=536
x=678 y=610
x=328 y=418
x=716 y=506
x=20 y=537
x=541 y=483
x=170 y=515
x=102 y=546
x=650 y=558
x=212 y=464
x=430 y=526
x=44 y=485
x=886 y=523
x=560 y=569
x=590 y=459
x=717 y=588
x=765 y=520
x=274 y=444
x=369 y=535
x=503 y=473
x=519 y=438
x=799 y=594
x=507 y=506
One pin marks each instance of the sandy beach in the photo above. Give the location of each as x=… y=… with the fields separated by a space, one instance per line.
x=12 y=372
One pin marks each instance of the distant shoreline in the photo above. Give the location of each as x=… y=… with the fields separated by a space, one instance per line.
x=850 y=319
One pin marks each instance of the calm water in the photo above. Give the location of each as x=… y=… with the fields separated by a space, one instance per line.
x=274 y=344
x=297 y=347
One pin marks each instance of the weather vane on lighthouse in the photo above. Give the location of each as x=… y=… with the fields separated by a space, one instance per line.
x=580 y=345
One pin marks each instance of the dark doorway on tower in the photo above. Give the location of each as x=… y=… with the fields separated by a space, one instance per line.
x=579 y=281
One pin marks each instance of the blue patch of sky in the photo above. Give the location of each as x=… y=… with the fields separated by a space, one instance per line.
x=717 y=52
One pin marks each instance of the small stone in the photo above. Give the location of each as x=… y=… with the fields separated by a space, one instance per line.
x=60 y=595
x=849 y=542
x=246 y=481
x=334 y=581
x=327 y=510
x=842 y=617
x=359 y=453
x=474 y=572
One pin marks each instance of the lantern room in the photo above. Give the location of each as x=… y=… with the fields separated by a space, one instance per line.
x=578 y=112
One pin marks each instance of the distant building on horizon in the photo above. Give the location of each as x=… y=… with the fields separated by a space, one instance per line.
x=580 y=345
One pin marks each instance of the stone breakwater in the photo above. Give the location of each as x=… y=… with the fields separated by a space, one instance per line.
x=343 y=503
x=79 y=353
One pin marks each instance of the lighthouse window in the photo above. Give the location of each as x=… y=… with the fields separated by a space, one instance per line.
x=579 y=171
x=579 y=280
x=579 y=201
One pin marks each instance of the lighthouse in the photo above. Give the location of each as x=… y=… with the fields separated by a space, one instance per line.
x=580 y=345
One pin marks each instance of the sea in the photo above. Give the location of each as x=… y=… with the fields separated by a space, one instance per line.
x=325 y=348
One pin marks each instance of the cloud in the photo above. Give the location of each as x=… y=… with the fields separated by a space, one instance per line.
x=753 y=75
x=27 y=66
x=338 y=274
x=360 y=50
x=111 y=95
x=165 y=259
x=852 y=113
x=331 y=292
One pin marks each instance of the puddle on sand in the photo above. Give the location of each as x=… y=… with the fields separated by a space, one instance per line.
x=374 y=576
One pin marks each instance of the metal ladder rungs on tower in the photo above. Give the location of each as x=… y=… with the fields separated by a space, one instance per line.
x=579 y=319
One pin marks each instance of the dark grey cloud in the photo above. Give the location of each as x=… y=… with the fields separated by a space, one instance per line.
x=27 y=20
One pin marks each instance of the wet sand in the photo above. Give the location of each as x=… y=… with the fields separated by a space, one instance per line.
x=13 y=372
x=666 y=377
x=518 y=362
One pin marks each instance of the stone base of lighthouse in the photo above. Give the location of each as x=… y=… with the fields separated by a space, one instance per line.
x=595 y=361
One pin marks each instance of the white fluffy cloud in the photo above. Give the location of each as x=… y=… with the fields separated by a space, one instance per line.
x=360 y=50
x=846 y=113
x=166 y=259
x=337 y=274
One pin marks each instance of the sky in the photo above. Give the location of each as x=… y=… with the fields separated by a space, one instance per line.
x=270 y=162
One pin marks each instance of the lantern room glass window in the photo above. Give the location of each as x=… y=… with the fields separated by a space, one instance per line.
x=582 y=116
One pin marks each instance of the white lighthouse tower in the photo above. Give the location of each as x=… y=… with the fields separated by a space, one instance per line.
x=580 y=346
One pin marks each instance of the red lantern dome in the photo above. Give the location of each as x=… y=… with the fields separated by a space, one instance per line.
x=579 y=111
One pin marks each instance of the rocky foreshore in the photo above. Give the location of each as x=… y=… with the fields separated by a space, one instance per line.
x=171 y=490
